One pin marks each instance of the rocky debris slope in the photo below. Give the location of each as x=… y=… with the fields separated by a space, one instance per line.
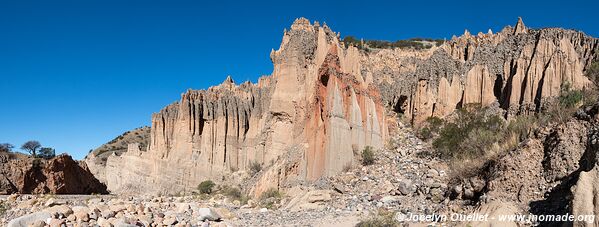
x=59 y=175
x=405 y=178
x=315 y=104
x=551 y=173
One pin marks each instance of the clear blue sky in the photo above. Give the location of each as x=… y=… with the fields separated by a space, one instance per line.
x=75 y=74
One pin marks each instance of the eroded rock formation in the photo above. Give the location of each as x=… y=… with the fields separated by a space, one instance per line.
x=518 y=68
x=324 y=102
x=59 y=175
x=304 y=121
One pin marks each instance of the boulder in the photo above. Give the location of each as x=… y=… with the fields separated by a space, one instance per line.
x=33 y=218
x=208 y=214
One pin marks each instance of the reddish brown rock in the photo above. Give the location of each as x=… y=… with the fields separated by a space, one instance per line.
x=59 y=175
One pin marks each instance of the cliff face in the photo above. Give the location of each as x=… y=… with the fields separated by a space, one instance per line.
x=59 y=175
x=518 y=69
x=324 y=102
x=304 y=121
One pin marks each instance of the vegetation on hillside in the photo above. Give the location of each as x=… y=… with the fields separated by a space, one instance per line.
x=33 y=148
x=206 y=187
x=255 y=168
x=367 y=156
x=270 y=197
x=382 y=219
x=474 y=135
x=593 y=72
x=414 y=43
x=119 y=144
x=6 y=147
x=3 y=207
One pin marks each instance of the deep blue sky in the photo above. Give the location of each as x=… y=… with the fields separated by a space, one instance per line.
x=75 y=74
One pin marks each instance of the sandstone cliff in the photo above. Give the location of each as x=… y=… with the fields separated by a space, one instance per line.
x=325 y=101
x=59 y=175
x=304 y=121
x=518 y=68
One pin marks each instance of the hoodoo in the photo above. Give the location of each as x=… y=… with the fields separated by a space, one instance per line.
x=326 y=100
x=304 y=121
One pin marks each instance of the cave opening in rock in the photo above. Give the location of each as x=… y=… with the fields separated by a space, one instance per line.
x=324 y=79
x=400 y=106
x=497 y=86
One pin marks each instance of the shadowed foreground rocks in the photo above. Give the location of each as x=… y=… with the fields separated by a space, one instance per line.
x=59 y=175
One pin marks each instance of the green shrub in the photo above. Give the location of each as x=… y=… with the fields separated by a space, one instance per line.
x=269 y=198
x=384 y=219
x=206 y=187
x=3 y=207
x=414 y=43
x=377 y=222
x=255 y=167
x=522 y=126
x=593 y=73
x=564 y=106
x=367 y=156
x=232 y=192
x=270 y=193
x=430 y=128
x=569 y=98
x=470 y=135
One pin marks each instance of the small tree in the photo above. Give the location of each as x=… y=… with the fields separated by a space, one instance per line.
x=6 y=147
x=47 y=152
x=31 y=147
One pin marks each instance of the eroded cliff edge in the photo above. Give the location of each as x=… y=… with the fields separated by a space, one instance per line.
x=304 y=121
x=324 y=101
x=517 y=69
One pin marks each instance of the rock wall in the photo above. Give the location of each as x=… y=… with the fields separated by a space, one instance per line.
x=303 y=122
x=324 y=102
x=518 y=68
x=59 y=175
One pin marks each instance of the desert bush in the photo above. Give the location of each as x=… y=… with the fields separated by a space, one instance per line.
x=430 y=128
x=377 y=222
x=3 y=207
x=206 y=187
x=270 y=197
x=564 y=106
x=270 y=193
x=232 y=192
x=255 y=167
x=383 y=219
x=367 y=156
x=569 y=98
x=593 y=73
x=470 y=135
x=522 y=126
